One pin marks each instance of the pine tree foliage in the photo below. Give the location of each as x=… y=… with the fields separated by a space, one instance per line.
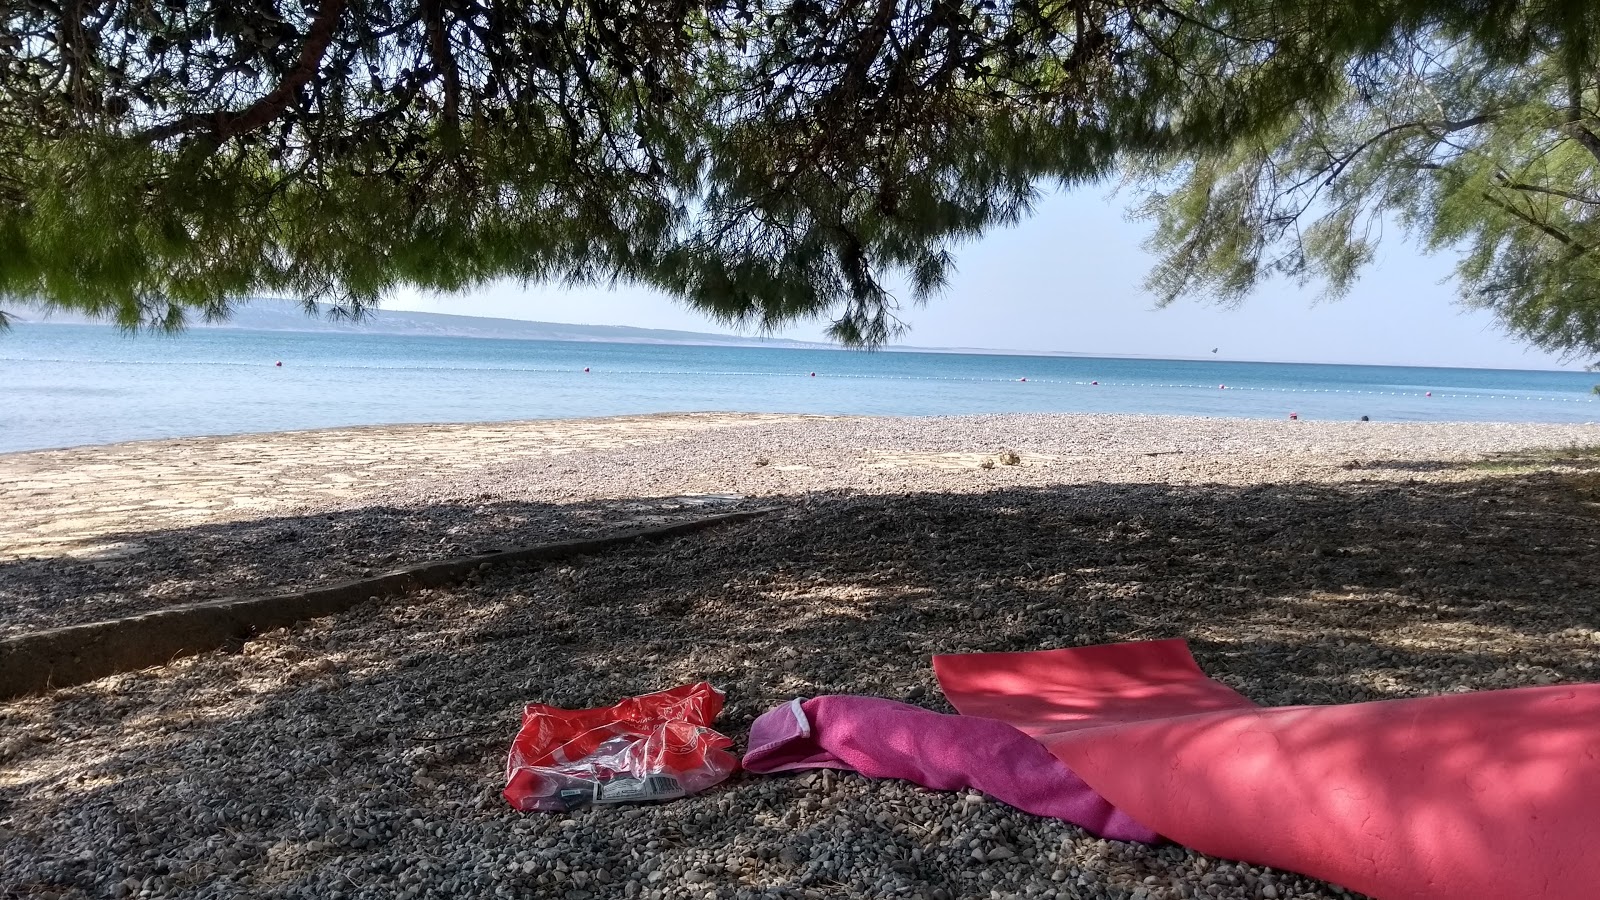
x=1477 y=138
x=763 y=160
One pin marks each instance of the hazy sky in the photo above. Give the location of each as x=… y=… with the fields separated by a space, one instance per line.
x=1069 y=279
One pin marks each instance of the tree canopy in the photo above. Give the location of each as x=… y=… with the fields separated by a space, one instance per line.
x=1485 y=143
x=761 y=159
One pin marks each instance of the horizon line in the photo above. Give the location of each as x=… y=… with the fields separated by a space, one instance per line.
x=769 y=341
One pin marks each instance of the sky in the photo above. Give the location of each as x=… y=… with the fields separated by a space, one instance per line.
x=1068 y=279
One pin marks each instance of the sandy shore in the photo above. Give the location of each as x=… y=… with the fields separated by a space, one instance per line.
x=360 y=755
x=99 y=532
x=67 y=502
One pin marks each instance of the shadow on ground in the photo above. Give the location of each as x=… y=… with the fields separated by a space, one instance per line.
x=125 y=573
x=360 y=755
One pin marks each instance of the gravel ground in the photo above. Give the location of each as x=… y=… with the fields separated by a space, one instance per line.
x=361 y=755
x=285 y=552
x=642 y=476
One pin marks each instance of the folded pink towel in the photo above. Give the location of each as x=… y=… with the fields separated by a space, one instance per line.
x=883 y=739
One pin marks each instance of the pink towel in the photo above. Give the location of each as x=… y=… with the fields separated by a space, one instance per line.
x=884 y=739
x=1485 y=796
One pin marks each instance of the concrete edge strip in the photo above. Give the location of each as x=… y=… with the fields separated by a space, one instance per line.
x=59 y=657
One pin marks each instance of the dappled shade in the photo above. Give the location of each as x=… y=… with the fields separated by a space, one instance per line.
x=266 y=762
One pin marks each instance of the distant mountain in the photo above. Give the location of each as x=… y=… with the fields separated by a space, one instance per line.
x=286 y=315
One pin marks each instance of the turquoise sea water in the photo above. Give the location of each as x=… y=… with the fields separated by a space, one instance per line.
x=67 y=385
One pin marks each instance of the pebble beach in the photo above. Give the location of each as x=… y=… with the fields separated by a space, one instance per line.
x=361 y=755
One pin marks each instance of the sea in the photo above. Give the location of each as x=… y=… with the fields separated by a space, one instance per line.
x=69 y=385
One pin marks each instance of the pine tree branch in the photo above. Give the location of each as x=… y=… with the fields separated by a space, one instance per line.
x=872 y=37
x=224 y=125
x=1584 y=136
x=1572 y=244
x=1575 y=111
x=1554 y=192
x=445 y=61
x=1444 y=127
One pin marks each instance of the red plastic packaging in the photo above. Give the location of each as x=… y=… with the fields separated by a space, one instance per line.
x=652 y=747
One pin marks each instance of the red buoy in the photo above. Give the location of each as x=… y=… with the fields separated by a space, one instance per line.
x=586 y=368
x=813 y=374
x=1022 y=379
x=1429 y=394
x=1094 y=382
x=1293 y=416
x=279 y=363
x=1222 y=387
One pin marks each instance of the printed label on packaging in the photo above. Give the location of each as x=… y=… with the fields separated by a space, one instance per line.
x=634 y=790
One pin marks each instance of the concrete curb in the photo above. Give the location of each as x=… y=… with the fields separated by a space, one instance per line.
x=42 y=660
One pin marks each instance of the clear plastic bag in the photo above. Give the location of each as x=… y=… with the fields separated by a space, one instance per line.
x=654 y=747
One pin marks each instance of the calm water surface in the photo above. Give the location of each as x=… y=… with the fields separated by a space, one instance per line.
x=67 y=385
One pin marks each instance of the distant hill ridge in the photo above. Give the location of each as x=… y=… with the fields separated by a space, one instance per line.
x=287 y=315
x=268 y=314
